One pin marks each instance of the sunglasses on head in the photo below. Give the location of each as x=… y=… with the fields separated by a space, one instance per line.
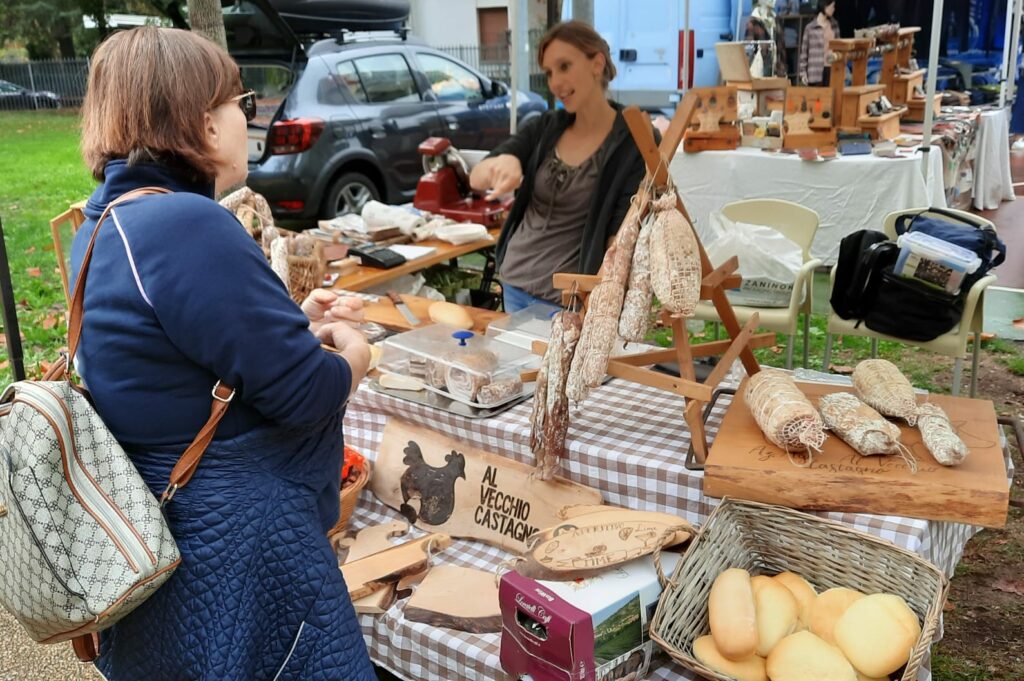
x=246 y=102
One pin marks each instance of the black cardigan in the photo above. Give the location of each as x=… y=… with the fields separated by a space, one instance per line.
x=618 y=180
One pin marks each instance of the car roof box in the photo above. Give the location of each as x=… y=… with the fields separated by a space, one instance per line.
x=319 y=17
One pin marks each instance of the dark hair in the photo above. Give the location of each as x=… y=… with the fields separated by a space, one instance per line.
x=822 y=4
x=584 y=38
x=149 y=89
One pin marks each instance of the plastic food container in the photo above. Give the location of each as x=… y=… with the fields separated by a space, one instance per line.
x=533 y=323
x=932 y=260
x=525 y=326
x=464 y=366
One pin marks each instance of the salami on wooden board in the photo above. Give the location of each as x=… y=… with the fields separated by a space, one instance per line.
x=443 y=485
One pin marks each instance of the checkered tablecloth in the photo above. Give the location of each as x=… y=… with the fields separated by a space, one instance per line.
x=627 y=440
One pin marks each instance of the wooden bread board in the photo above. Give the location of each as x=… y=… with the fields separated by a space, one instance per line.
x=743 y=464
x=385 y=313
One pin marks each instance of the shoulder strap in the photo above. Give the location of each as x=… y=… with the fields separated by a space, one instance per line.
x=222 y=394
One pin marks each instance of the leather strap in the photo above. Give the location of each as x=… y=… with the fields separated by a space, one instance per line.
x=222 y=394
x=86 y=647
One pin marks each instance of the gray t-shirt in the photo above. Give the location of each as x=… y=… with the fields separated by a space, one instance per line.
x=549 y=238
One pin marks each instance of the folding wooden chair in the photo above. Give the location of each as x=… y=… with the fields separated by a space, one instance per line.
x=63 y=228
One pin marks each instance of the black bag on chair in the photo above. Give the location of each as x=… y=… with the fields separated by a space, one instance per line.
x=862 y=256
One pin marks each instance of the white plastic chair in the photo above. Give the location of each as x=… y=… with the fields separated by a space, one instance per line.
x=799 y=224
x=954 y=342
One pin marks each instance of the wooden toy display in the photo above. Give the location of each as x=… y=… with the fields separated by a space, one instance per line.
x=809 y=118
x=904 y=86
x=716 y=116
x=852 y=100
x=732 y=61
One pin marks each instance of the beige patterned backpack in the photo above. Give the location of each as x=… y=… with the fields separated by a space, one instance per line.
x=83 y=541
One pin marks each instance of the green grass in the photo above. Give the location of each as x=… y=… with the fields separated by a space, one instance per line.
x=42 y=174
x=1015 y=365
x=949 y=669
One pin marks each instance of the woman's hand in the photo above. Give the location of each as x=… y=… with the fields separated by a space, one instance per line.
x=350 y=344
x=500 y=174
x=322 y=306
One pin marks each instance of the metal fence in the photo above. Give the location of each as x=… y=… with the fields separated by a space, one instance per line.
x=65 y=78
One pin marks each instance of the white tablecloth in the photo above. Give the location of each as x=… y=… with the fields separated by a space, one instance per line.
x=848 y=193
x=993 y=183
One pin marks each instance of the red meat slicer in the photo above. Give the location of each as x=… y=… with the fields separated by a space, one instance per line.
x=444 y=187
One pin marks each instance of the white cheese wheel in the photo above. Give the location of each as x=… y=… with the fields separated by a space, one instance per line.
x=802 y=591
x=747 y=669
x=829 y=606
x=805 y=657
x=731 y=614
x=878 y=633
x=777 y=613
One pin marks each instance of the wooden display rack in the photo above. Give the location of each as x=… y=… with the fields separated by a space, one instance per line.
x=714 y=284
x=732 y=62
x=855 y=52
x=899 y=80
x=715 y=128
x=809 y=118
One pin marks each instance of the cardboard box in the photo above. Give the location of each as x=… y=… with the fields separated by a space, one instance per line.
x=589 y=630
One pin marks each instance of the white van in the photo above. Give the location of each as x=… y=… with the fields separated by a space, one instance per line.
x=647 y=42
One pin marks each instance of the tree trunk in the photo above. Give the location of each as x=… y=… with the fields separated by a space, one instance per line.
x=206 y=20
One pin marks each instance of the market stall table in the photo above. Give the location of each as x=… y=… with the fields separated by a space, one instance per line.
x=364 y=277
x=626 y=441
x=848 y=193
x=993 y=182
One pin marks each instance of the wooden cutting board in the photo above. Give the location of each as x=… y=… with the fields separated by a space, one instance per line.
x=443 y=485
x=385 y=313
x=743 y=464
x=457 y=598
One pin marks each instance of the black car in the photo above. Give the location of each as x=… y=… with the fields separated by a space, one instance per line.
x=14 y=96
x=339 y=118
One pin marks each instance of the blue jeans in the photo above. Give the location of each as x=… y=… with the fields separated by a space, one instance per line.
x=516 y=299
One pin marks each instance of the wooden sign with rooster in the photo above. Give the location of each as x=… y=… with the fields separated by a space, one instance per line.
x=442 y=485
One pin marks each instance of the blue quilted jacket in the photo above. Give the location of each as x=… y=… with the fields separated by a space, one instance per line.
x=178 y=296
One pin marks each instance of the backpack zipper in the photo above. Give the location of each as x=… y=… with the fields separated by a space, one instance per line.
x=92 y=501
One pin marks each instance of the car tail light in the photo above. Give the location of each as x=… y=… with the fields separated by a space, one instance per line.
x=292 y=205
x=291 y=137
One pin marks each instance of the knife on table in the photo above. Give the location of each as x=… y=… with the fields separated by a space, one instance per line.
x=404 y=309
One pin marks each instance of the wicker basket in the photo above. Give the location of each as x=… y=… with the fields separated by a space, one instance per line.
x=306 y=273
x=765 y=539
x=349 y=497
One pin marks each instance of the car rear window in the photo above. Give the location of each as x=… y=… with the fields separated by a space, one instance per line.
x=271 y=83
x=379 y=79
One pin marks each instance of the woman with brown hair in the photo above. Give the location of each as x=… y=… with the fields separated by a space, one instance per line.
x=576 y=169
x=179 y=298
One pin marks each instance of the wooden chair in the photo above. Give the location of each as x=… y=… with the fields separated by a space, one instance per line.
x=63 y=229
x=952 y=343
x=798 y=224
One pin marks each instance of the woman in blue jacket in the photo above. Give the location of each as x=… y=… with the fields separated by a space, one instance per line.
x=180 y=297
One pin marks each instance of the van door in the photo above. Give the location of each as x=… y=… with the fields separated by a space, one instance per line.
x=391 y=113
x=644 y=46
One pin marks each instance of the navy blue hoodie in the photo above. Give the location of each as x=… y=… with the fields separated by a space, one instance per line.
x=178 y=296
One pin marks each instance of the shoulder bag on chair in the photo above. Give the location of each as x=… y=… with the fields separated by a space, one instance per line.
x=909 y=309
x=83 y=541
